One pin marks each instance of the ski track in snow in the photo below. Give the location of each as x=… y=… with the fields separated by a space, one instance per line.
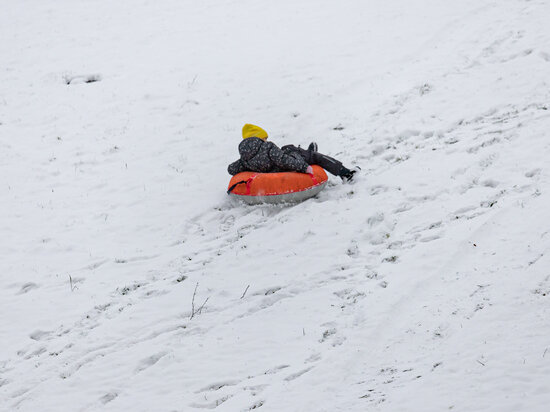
x=129 y=282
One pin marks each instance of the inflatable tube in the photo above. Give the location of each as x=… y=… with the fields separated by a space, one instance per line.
x=284 y=187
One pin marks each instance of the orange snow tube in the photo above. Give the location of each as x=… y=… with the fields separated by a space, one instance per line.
x=283 y=187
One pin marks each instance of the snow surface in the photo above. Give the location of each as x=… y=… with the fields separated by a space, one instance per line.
x=130 y=282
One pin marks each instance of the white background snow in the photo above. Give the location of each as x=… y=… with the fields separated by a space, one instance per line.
x=423 y=286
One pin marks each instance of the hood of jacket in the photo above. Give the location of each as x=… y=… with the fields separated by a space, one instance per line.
x=250 y=147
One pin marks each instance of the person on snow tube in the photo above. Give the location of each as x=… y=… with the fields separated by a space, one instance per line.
x=259 y=155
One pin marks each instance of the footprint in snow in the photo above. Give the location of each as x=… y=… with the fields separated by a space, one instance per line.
x=296 y=375
x=218 y=385
x=40 y=335
x=27 y=287
x=108 y=397
x=533 y=173
x=331 y=334
x=79 y=79
x=149 y=361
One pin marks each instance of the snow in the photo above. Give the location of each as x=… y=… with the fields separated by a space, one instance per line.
x=130 y=281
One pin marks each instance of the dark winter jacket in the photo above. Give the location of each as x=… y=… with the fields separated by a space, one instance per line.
x=258 y=155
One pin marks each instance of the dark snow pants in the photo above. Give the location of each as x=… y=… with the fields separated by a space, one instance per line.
x=328 y=163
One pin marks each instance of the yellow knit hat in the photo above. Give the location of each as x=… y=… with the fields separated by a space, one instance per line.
x=250 y=130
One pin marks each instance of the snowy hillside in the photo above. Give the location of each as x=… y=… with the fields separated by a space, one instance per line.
x=130 y=282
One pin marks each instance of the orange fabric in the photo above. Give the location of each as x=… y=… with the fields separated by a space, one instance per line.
x=266 y=184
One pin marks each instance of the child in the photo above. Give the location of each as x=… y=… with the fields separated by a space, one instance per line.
x=259 y=155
